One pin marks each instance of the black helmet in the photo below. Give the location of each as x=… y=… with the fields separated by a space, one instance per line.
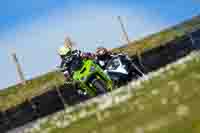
x=100 y=51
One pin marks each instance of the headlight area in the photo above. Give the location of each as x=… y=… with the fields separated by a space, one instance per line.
x=92 y=69
x=84 y=78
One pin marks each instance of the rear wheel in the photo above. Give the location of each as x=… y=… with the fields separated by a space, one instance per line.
x=100 y=86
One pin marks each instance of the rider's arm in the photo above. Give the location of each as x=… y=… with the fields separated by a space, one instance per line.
x=63 y=66
x=64 y=70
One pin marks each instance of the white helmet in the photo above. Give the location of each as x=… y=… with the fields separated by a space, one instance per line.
x=63 y=50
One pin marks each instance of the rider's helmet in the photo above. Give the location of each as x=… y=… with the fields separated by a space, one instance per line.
x=64 y=51
x=101 y=51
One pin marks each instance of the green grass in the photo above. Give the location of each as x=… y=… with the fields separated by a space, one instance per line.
x=160 y=38
x=168 y=103
x=15 y=95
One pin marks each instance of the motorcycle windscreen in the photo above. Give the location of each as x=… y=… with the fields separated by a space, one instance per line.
x=113 y=64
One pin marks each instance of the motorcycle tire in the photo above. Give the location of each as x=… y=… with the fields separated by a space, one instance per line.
x=100 y=86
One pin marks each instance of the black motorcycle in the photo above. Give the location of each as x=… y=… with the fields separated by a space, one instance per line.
x=121 y=69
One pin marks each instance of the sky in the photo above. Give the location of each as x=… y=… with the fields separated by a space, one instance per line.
x=34 y=29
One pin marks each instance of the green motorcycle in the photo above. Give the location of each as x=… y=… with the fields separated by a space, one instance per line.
x=92 y=79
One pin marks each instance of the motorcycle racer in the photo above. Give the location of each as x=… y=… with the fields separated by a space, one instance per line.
x=103 y=55
x=69 y=58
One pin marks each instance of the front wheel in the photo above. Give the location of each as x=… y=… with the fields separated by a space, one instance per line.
x=100 y=86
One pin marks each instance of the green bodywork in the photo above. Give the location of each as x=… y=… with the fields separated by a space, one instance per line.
x=88 y=71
